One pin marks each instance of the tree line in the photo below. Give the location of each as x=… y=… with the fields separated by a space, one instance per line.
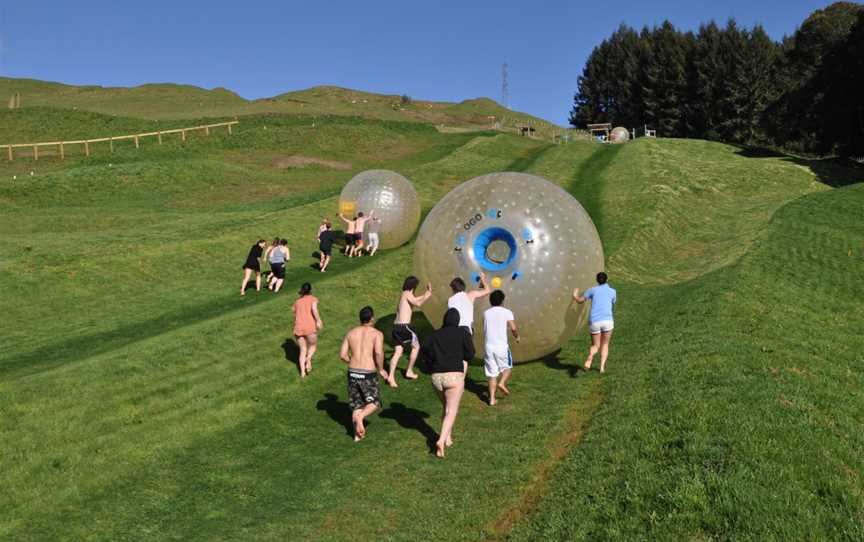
x=733 y=84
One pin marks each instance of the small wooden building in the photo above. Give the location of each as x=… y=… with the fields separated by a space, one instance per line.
x=600 y=130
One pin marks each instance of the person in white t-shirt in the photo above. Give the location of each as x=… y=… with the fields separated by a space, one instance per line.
x=497 y=359
x=463 y=301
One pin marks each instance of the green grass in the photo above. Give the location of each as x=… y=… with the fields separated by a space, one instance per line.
x=142 y=398
x=173 y=102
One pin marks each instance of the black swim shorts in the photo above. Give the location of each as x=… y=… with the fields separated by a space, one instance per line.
x=404 y=336
x=363 y=389
x=278 y=270
x=349 y=239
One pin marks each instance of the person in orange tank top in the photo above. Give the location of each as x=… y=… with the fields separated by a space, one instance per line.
x=307 y=323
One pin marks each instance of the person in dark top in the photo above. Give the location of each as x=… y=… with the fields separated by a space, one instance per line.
x=325 y=246
x=446 y=351
x=253 y=265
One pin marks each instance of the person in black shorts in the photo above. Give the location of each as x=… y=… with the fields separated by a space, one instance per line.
x=363 y=351
x=325 y=246
x=253 y=265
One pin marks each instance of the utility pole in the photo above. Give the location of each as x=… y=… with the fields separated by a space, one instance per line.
x=505 y=87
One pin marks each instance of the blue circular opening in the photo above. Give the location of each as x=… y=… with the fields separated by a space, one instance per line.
x=486 y=238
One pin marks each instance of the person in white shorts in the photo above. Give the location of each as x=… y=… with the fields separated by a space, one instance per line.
x=498 y=361
x=373 y=227
x=600 y=321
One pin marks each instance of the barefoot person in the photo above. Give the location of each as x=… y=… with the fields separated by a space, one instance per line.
x=350 y=228
x=325 y=246
x=359 y=226
x=278 y=255
x=497 y=360
x=403 y=336
x=363 y=351
x=463 y=301
x=307 y=323
x=373 y=228
x=253 y=265
x=446 y=351
x=600 y=321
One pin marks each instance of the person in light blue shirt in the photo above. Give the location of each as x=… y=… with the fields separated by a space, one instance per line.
x=600 y=321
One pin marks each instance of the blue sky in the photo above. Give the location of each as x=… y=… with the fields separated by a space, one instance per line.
x=446 y=50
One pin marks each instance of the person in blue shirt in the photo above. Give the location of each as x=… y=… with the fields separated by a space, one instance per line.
x=600 y=321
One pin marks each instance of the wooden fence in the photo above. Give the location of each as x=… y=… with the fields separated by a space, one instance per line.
x=61 y=145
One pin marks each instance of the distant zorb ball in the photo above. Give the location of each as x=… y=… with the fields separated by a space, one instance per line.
x=393 y=199
x=619 y=135
x=533 y=240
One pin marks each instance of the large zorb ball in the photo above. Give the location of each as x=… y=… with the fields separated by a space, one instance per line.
x=533 y=240
x=393 y=199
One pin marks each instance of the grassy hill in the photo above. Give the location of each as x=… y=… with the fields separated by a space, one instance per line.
x=142 y=398
x=173 y=102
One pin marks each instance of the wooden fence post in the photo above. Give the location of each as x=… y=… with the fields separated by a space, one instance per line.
x=62 y=154
x=35 y=152
x=229 y=129
x=9 y=148
x=86 y=147
x=160 y=137
x=207 y=130
x=136 y=142
x=183 y=135
x=111 y=144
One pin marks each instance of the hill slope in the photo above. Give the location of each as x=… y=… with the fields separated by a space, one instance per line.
x=170 y=101
x=141 y=397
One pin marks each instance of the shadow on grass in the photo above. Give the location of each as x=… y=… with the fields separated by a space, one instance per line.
x=81 y=347
x=834 y=172
x=292 y=351
x=411 y=418
x=338 y=411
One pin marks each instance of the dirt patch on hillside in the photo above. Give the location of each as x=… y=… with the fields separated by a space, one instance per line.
x=296 y=161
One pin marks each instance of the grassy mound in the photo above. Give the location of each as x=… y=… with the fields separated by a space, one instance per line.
x=141 y=397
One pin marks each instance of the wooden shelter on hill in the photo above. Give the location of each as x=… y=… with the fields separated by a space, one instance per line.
x=600 y=130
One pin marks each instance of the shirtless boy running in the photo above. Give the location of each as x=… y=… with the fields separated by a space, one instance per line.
x=363 y=351
x=359 y=226
x=403 y=336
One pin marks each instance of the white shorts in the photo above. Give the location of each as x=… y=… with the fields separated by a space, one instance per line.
x=497 y=360
x=601 y=326
x=373 y=241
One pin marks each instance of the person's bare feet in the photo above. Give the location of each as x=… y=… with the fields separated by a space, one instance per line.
x=449 y=442
x=411 y=375
x=392 y=382
x=503 y=389
x=439 y=450
x=587 y=366
x=492 y=402
x=359 y=429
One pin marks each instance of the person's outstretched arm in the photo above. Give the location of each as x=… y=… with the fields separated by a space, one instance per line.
x=483 y=291
x=576 y=297
x=419 y=300
x=345 y=220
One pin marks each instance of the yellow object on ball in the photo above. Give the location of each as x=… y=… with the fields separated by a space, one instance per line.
x=496 y=282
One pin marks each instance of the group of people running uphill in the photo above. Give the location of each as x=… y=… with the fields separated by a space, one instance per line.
x=277 y=253
x=355 y=244
x=446 y=351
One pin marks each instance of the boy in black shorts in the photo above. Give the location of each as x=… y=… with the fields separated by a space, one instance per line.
x=363 y=351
